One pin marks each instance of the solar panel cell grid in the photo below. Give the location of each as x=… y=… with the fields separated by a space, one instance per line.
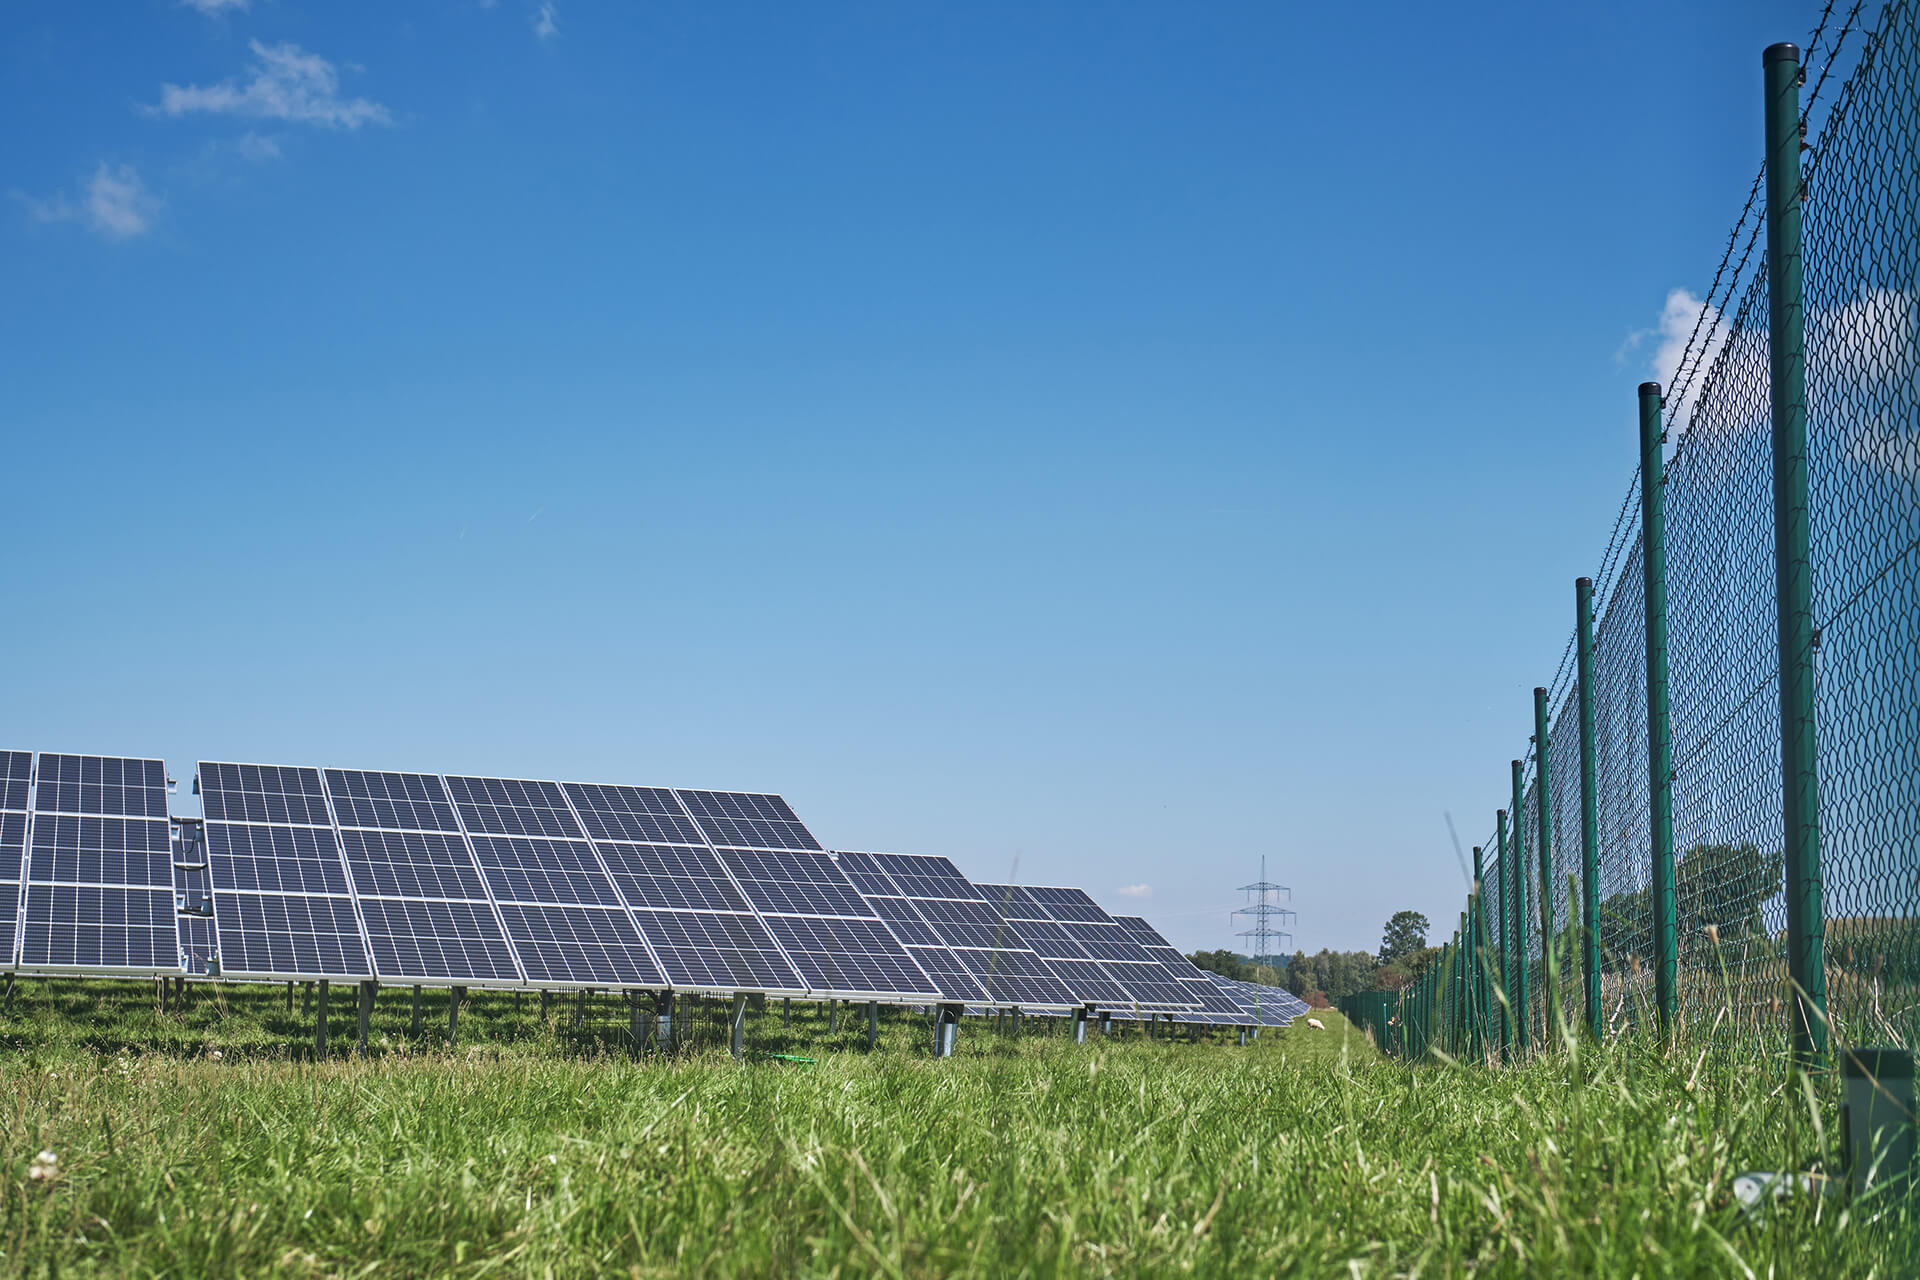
x=721 y=950
x=749 y=821
x=101 y=785
x=514 y=807
x=411 y=864
x=397 y=801
x=550 y=872
x=439 y=939
x=647 y=815
x=274 y=859
x=580 y=945
x=849 y=955
x=670 y=877
x=16 y=776
x=273 y=933
x=794 y=883
x=100 y=926
x=262 y=793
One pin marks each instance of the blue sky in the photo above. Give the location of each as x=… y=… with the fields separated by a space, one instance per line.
x=1103 y=444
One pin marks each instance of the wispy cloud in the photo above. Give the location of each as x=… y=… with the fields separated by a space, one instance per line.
x=114 y=202
x=258 y=147
x=287 y=83
x=546 y=21
x=1684 y=316
x=215 y=6
x=1136 y=891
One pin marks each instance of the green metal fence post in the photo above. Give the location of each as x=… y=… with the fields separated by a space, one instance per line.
x=1477 y=971
x=1522 y=1010
x=1589 y=812
x=1543 y=787
x=1505 y=925
x=1653 y=547
x=1793 y=557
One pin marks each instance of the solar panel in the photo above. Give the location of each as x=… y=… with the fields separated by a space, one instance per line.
x=99 y=884
x=1214 y=1006
x=839 y=945
x=428 y=917
x=1268 y=1006
x=936 y=960
x=568 y=923
x=1092 y=955
x=283 y=910
x=957 y=913
x=698 y=921
x=1087 y=922
x=16 y=778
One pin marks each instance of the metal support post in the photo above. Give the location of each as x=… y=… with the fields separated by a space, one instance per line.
x=1653 y=548
x=1793 y=556
x=1080 y=1025
x=580 y=1009
x=289 y=997
x=1522 y=1006
x=946 y=1029
x=454 y=997
x=320 y=1024
x=545 y=999
x=1504 y=924
x=873 y=1024
x=1482 y=948
x=786 y=1011
x=1543 y=826
x=416 y=1012
x=737 y=1026
x=366 y=1013
x=833 y=1017
x=1589 y=813
x=636 y=1022
x=663 y=1022
x=1106 y=1023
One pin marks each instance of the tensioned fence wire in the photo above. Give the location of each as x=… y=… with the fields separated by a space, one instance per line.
x=1861 y=257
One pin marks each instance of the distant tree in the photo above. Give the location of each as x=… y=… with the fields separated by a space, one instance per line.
x=1300 y=975
x=1406 y=933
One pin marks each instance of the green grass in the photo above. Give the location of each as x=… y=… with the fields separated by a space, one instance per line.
x=532 y=1149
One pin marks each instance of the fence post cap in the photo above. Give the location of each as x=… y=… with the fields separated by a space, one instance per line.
x=1785 y=51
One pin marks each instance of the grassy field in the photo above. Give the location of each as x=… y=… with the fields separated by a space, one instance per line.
x=537 y=1149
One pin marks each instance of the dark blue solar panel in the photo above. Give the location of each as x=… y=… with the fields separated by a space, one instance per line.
x=855 y=956
x=745 y=820
x=953 y=934
x=1082 y=925
x=262 y=793
x=566 y=918
x=394 y=801
x=100 y=927
x=281 y=902
x=255 y=858
x=280 y=935
x=513 y=807
x=116 y=785
x=427 y=912
x=686 y=904
x=671 y=876
x=1194 y=980
x=644 y=815
x=100 y=858
x=794 y=883
x=16 y=775
x=581 y=946
x=718 y=950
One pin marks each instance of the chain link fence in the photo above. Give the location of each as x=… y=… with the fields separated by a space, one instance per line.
x=1860 y=213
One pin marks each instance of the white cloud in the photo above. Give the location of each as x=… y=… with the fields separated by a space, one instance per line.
x=1136 y=891
x=114 y=203
x=287 y=83
x=258 y=147
x=215 y=6
x=546 y=23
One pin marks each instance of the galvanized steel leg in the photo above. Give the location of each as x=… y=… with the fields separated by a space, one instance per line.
x=320 y=1024
x=946 y=1029
x=873 y=1024
x=663 y=1022
x=416 y=1011
x=1080 y=1025
x=453 y=1012
x=738 y=1027
x=366 y=1012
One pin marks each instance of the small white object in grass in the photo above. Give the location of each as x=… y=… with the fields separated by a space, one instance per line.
x=44 y=1167
x=1753 y=1189
x=1316 y=1024
x=215 y=1055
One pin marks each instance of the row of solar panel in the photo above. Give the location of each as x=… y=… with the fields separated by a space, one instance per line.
x=300 y=873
